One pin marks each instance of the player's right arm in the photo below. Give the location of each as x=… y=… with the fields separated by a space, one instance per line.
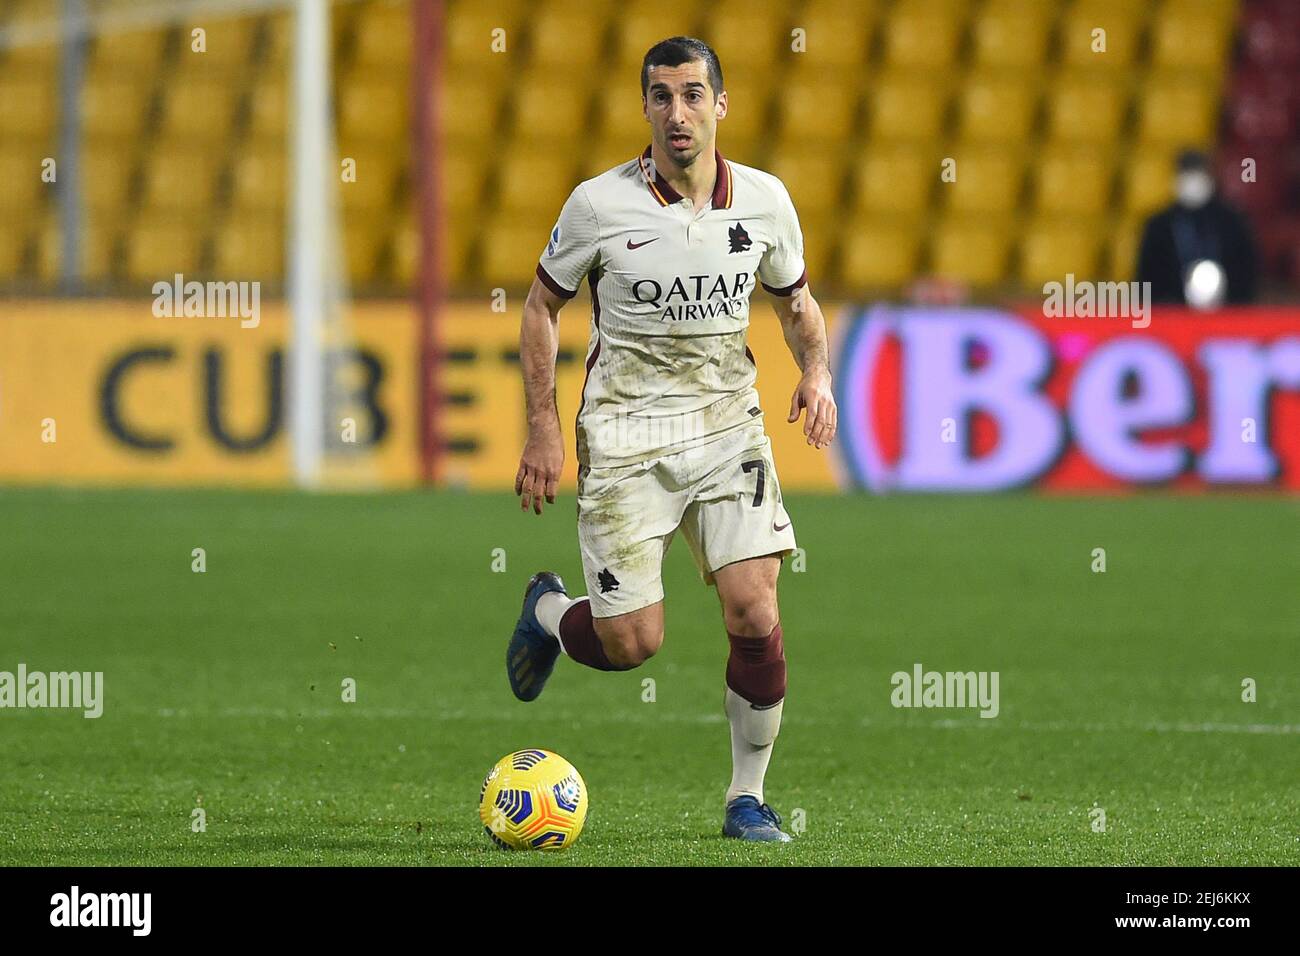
x=572 y=251
x=543 y=457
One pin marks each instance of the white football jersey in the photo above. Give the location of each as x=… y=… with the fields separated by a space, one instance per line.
x=667 y=363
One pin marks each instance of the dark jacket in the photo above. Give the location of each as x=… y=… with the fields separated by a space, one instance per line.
x=1177 y=236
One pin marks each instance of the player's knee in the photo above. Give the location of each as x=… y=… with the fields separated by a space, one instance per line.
x=752 y=617
x=630 y=647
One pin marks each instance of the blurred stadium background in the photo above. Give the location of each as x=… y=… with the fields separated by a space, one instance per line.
x=172 y=129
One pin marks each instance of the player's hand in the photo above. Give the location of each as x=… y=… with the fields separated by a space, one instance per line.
x=539 y=468
x=814 y=393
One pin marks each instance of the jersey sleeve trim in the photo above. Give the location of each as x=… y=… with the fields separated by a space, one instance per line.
x=798 y=283
x=554 y=286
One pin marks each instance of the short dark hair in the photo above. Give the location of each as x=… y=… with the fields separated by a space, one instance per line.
x=1190 y=160
x=678 y=50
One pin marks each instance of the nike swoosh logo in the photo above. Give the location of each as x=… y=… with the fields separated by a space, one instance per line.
x=780 y=527
x=638 y=245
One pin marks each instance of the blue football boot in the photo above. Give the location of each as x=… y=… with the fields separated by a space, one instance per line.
x=531 y=654
x=747 y=819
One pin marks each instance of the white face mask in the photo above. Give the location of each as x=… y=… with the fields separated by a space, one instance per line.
x=1194 y=188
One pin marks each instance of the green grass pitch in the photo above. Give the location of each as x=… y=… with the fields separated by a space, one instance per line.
x=1119 y=690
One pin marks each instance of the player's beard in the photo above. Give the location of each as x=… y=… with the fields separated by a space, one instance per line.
x=684 y=160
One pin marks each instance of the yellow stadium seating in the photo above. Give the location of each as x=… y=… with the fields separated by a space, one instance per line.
x=1183 y=38
x=258 y=178
x=1055 y=247
x=997 y=108
x=363 y=241
x=105 y=177
x=1177 y=109
x=813 y=178
x=837 y=35
x=161 y=245
x=375 y=176
x=510 y=248
x=1148 y=181
x=29 y=106
x=821 y=109
x=1088 y=106
x=1121 y=247
x=21 y=171
x=113 y=108
x=906 y=106
x=199 y=111
x=973 y=251
x=922 y=35
x=547 y=109
x=739 y=33
x=226 y=44
x=895 y=179
x=182 y=181
x=383 y=39
x=452 y=255
x=1120 y=23
x=250 y=247
x=1011 y=34
x=535 y=183
x=567 y=42
x=878 y=254
x=136 y=52
x=13 y=250
x=98 y=236
x=269 y=110
x=1074 y=182
x=374 y=109
x=987 y=182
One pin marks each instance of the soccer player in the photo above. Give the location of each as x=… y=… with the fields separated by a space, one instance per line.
x=670 y=434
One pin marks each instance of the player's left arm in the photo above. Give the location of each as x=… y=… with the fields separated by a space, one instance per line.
x=804 y=327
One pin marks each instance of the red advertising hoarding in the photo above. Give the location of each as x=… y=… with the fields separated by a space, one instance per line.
x=936 y=400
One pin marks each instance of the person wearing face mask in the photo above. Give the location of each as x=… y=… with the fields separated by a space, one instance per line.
x=1198 y=251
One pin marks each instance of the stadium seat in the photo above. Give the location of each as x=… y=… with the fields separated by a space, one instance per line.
x=639 y=25
x=113 y=108
x=619 y=120
x=535 y=183
x=105 y=176
x=814 y=180
x=748 y=118
x=837 y=35
x=973 y=251
x=269 y=110
x=821 y=108
x=891 y=178
x=375 y=109
x=382 y=39
x=906 y=107
x=878 y=254
x=988 y=181
x=997 y=108
x=181 y=181
x=740 y=33
x=510 y=248
x=362 y=240
x=227 y=45
x=198 y=111
x=259 y=178
x=23 y=192
x=137 y=52
x=1186 y=39
x=1087 y=106
x=611 y=153
x=547 y=109
x=453 y=255
x=30 y=60
x=250 y=247
x=1148 y=181
x=1074 y=181
x=1011 y=34
x=566 y=41
x=1177 y=109
x=376 y=175
x=1122 y=22
x=471 y=33
x=1054 y=247
x=922 y=35
x=1121 y=248
x=29 y=107
x=162 y=245
x=13 y=251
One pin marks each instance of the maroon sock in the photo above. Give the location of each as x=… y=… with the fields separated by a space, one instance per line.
x=578 y=634
x=756 y=667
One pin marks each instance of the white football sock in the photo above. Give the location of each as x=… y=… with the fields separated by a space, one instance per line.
x=753 y=733
x=550 y=608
